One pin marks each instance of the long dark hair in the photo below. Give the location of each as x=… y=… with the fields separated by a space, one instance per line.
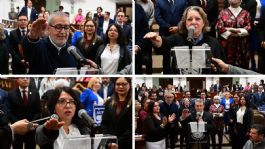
x=120 y=39
x=95 y=33
x=54 y=98
x=128 y=98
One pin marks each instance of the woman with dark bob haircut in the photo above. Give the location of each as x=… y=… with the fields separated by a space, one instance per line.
x=117 y=116
x=66 y=104
x=113 y=55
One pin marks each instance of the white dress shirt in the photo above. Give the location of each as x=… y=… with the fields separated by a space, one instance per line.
x=110 y=59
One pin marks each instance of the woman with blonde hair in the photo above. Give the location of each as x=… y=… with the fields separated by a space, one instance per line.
x=193 y=17
x=90 y=97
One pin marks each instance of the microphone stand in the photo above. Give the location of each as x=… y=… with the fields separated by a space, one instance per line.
x=80 y=63
x=92 y=135
x=191 y=43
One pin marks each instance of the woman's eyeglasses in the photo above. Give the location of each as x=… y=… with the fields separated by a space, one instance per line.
x=64 y=102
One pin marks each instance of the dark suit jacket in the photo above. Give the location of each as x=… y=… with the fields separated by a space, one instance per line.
x=33 y=15
x=4 y=57
x=258 y=100
x=15 y=39
x=217 y=89
x=110 y=90
x=5 y=130
x=100 y=27
x=167 y=17
x=121 y=127
x=141 y=28
x=207 y=117
x=18 y=111
x=211 y=11
x=124 y=60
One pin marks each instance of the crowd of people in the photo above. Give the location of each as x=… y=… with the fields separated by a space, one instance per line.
x=234 y=32
x=163 y=118
x=24 y=109
x=44 y=40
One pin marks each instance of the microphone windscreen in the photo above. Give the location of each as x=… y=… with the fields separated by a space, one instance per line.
x=81 y=112
x=55 y=116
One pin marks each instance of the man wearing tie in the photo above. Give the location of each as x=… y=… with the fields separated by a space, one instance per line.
x=24 y=103
x=259 y=97
x=199 y=116
x=18 y=62
x=107 y=88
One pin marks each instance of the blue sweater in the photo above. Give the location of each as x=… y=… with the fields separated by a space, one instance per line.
x=88 y=98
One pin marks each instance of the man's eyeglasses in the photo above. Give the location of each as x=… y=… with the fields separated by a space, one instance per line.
x=60 y=27
x=64 y=102
x=121 y=84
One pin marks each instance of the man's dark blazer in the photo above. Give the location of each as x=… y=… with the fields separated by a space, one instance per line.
x=33 y=15
x=258 y=100
x=4 y=57
x=100 y=27
x=110 y=90
x=5 y=130
x=211 y=11
x=167 y=17
x=15 y=39
x=207 y=117
x=144 y=56
x=217 y=89
x=17 y=109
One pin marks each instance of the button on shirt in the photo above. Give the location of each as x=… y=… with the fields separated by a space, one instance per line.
x=110 y=59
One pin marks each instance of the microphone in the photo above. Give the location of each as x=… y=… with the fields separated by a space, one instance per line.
x=54 y=116
x=83 y=114
x=198 y=115
x=31 y=126
x=190 y=34
x=72 y=50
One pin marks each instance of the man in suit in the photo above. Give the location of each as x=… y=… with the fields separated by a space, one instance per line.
x=24 y=103
x=168 y=14
x=103 y=24
x=210 y=7
x=259 y=97
x=126 y=29
x=143 y=47
x=206 y=102
x=199 y=116
x=217 y=87
x=47 y=54
x=30 y=11
x=107 y=88
x=18 y=64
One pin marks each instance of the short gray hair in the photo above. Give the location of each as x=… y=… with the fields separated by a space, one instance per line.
x=57 y=14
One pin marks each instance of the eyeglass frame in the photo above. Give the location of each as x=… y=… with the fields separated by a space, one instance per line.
x=61 y=27
x=63 y=102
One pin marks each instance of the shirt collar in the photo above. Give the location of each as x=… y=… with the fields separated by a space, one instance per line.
x=57 y=47
x=21 y=89
x=197 y=40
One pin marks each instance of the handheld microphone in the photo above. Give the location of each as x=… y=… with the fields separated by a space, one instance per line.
x=83 y=114
x=198 y=115
x=72 y=50
x=30 y=124
x=54 y=116
x=191 y=30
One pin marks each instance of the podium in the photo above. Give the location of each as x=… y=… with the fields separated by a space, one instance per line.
x=74 y=71
x=195 y=60
x=86 y=142
x=197 y=135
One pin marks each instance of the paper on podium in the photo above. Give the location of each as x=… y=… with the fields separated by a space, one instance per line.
x=74 y=71
x=199 y=56
x=197 y=127
x=86 y=142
